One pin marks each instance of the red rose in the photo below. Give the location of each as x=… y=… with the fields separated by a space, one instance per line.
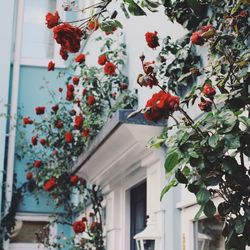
x=84 y=91
x=64 y=54
x=197 y=38
x=55 y=108
x=85 y=133
x=29 y=175
x=34 y=140
x=152 y=39
x=84 y=219
x=37 y=164
x=123 y=86
x=147 y=80
x=70 y=87
x=69 y=96
x=208 y=90
x=59 y=124
x=60 y=89
x=206 y=28
x=79 y=227
x=160 y=105
x=109 y=68
x=52 y=20
x=51 y=66
x=91 y=100
x=68 y=137
x=93 y=24
x=111 y=32
x=75 y=80
x=74 y=179
x=68 y=36
x=78 y=122
x=102 y=59
x=205 y=105
x=80 y=58
x=50 y=184
x=40 y=110
x=55 y=152
x=27 y=120
x=43 y=141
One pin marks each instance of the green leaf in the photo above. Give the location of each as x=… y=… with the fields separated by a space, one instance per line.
x=244 y=120
x=232 y=141
x=203 y=196
x=135 y=9
x=239 y=225
x=171 y=161
x=209 y=209
x=213 y=141
x=230 y=165
x=171 y=184
x=246 y=151
x=198 y=214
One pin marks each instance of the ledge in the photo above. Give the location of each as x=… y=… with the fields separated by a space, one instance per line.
x=119 y=145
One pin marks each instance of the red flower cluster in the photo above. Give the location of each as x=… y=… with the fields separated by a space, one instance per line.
x=37 y=164
x=200 y=37
x=80 y=58
x=59 y=124
x=68 y=137
x=43 y=141
x=91 y=100
x=205 y=105
x=55 y=108
x=160 y=105
x=68 y=36
x=34 y=140
x=40 y=110
x=208 y=90
x=152 y=39
x=51 y=66
x=78 y=122
x=74 y=180
x=64 y=54
x=93 y=24
x=85 y=133
x=50 y=184
x=29 y=175
x=27 y=120
x=109 y=68
x=75 y=80
x=52 y=20
x=70 y=92
x=102 y=59
x=79 y=227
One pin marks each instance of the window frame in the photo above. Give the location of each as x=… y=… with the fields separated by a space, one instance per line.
x=33 y=217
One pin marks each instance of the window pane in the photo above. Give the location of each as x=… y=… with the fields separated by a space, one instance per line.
x=208 y=234
x=37 y=40
x=29 y=231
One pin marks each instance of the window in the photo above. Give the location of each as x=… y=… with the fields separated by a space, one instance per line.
x=37 y=39
x=207 y=234
x=138 y=202
x=31 y=232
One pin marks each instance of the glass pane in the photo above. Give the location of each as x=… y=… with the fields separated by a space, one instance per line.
x=149 y=245
x=29 y=232
x=208 y=234
x=37 y=39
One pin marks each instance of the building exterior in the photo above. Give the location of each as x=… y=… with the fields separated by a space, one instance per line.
x=131 y=175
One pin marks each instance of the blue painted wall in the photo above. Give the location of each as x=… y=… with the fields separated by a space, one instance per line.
x=30 y=96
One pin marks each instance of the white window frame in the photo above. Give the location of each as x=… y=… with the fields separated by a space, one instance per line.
x=33 y=217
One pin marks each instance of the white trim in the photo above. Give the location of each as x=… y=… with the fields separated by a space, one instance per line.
x=36 y=62
x=14 y=103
